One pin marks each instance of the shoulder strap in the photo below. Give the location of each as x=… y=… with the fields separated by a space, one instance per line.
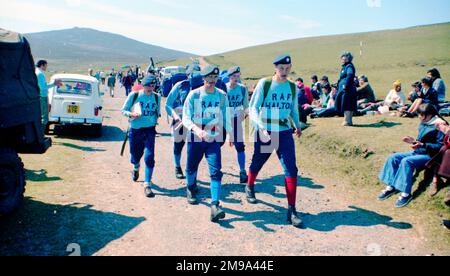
x=267 y=86
x=293 y=89
x=135 y=96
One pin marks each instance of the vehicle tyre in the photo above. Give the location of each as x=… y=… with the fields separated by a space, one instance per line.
x=12 y=181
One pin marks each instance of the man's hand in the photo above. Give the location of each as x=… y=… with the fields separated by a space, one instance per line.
x=298 y=133
x=58 y=83
x=417 y=145
x=264 y=136
x=135 y=115
x=444 y=128
x=409 y=140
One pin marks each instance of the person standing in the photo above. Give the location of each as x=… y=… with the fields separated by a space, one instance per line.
x=41 y=67
x=111 y=84
x=205 y=116
x=346 y=100
x=273 y=113
x=143 y=110
x=238 y=103
x=174 y=108
x=127 y=82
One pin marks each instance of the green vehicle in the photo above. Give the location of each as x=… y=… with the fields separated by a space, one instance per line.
x=20 y=117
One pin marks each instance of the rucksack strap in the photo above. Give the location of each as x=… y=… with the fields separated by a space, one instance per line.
x=267 y=86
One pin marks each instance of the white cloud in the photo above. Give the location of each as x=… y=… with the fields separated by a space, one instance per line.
x=299 y=23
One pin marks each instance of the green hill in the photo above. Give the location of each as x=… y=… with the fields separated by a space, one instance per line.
x=404 y=54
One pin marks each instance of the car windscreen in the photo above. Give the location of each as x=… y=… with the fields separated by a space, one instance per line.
x=75 y=88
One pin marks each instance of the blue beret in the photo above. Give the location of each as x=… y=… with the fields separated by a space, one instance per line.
x=210 y=70
x=282 y=59
x=234 y=70
x=147 y=81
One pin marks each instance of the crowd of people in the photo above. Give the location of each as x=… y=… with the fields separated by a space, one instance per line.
x=204 y=116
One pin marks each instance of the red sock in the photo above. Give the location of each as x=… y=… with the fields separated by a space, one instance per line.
x=252 y=178
x=291 y=190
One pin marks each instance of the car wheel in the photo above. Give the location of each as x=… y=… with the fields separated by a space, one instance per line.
x=12 y=181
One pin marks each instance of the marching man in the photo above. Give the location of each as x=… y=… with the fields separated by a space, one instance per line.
x=143 y=109
x=205 y=115
x=238 y=103
x=273 y=113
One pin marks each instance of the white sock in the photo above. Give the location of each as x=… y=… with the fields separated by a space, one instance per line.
x=389 y=188
x=405 y=195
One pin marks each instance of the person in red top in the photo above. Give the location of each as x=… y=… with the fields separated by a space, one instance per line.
x=307 y=90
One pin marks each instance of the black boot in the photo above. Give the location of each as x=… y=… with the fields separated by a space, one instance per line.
x=179 y=173
x=243 y=177
x=250 y=193
x=148 y=192
x=446 y=223
x=135 y=175
x=293 y=218
x=217 y=213
x=191 y=193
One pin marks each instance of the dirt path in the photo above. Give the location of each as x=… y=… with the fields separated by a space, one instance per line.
x=81 y=193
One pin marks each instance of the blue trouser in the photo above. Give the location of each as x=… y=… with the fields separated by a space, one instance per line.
x=143 y=141
x=127 y=90
x=398 y=171
x=238 y=136
x=284 y=146
x=328 y=112
x=195 y=153
x=179 y=139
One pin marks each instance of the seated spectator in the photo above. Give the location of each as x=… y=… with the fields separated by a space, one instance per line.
x=329 y=110
x=413 y=96
x=324 y=81
x=306 y=89
x=398 y=171
x=394 y=100
x=316 y=89
x=365 y=94
x=441 y=162
x=438 y=84
x=427 y=96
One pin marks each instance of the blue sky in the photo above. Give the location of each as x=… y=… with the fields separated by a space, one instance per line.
x=208 y=27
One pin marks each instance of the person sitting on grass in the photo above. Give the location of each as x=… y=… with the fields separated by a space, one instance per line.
x=438 y=83
x=329 y=110
x=399 y=168
x=427 y=96
x=395 y=100
x=413 y=96
x=365 y=96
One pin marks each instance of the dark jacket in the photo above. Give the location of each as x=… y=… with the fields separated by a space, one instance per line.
x=366 y=93
x=430 y=98
x=346 y=99
x=431 y=138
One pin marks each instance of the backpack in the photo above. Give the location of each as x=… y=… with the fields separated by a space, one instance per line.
x=267 y=86
x=166 y=87
x=196 y=81
x=177 y=78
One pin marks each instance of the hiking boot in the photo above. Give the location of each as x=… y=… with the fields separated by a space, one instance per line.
x=135 y=175
x=250 y=193
x=434 y=188
x=386 y=193
x=148 y=191
x=403 y=201
x=293 y=218
x=313 y=116
x=243 y=177
x=446 y=223
x=217 y=213
x=191 y=194
x=179 y=173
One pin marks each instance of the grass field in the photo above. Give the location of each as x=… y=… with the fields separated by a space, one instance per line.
x=404 y=54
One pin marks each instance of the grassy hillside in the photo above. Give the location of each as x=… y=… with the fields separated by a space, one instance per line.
x=404 y=54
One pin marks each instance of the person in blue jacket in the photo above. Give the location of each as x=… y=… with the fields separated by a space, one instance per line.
x=174 y=107
x=399 y=168
x=205 y=115
x=346 y=99
x=238 y=104
x=143 y=109
x=426 y=96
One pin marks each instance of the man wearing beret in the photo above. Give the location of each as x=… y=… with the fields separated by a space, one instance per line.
x=143 y=110
x=174 y=107
x=205 y=115
x=238 y=103
x=273 y=113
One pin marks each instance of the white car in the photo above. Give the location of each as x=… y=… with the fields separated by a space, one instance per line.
x=76 y=102
x=169 y=71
